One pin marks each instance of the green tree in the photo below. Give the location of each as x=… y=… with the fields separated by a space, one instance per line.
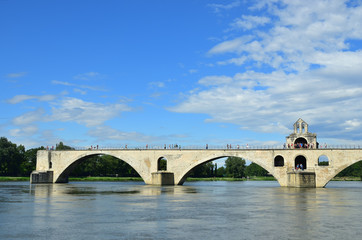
x=221 y=172
x=235 y=167
x=255 y=170
x=11 y=158
x=61 y=146
x=203 y=170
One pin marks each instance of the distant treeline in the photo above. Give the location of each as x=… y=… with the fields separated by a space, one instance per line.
x=15 y=161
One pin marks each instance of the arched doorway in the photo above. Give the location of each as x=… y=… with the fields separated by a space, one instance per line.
x=300 y=142
x=300 y=160
x=278 y=161
x=162 y=164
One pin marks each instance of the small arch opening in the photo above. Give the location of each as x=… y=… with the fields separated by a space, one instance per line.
x=278 y=161
x=323 y=160
x=162 y=164
x=304 y=126
x=300 y=162
x=300 y=143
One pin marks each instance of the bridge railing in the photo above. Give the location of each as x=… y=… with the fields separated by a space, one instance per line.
x=211 y=147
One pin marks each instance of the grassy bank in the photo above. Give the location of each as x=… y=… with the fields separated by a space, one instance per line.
x=190 y=179
x=347 y=179
x=138 y=179
x=14 y=179
x=271 y=178
x=263 y=178
x=105 y=179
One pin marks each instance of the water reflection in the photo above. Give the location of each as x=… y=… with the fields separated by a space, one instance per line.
x=47 y=190
x=197 y=210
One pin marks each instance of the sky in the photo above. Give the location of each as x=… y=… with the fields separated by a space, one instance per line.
x=111 y=73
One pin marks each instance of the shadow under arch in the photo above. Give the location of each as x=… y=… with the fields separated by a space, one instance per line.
x=64 y=175
x=203 y=161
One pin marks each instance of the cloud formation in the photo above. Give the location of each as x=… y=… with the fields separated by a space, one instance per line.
x=311 y=70
x=20 y=98
x=85 y=113
x=16 y=75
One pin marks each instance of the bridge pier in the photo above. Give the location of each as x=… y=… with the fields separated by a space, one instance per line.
x=41 y=177
x=163 y=178
x=301 y=179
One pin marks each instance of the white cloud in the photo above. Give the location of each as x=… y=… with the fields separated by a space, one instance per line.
x=218 y=7
x=87 y=76
x=20 y=98
x=247 y=22
x=157 y=84
x=299 y=31
x=16 y=75
x=85 y=113
x=105 y=133
x=215 y=80
x=237 y=61
x=80 y=91
x=352 y=124
x=24 y=131
x=277 y=107
x=235 y=45
x=29 y=117
x=56 y=82
x=314 y=74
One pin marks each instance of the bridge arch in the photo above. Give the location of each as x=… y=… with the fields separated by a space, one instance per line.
x=186 y=173
x=339 y=169
x=179 y=180
x=63 y=173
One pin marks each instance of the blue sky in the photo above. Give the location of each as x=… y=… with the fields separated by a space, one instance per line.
x=139 y=72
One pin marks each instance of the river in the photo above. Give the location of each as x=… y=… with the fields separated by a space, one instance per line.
x=196 y=210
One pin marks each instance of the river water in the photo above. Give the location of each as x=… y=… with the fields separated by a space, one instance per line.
x=196 y=210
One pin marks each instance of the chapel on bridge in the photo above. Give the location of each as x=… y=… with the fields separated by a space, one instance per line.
x=301 y=138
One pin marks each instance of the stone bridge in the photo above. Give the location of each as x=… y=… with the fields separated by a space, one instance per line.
x=55 y=166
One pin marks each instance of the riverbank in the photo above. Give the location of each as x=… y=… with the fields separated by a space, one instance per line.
x=268 y=178
x=138 y=179
x=14 y=179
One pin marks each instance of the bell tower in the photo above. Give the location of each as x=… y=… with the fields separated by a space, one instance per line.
x=301 y=138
